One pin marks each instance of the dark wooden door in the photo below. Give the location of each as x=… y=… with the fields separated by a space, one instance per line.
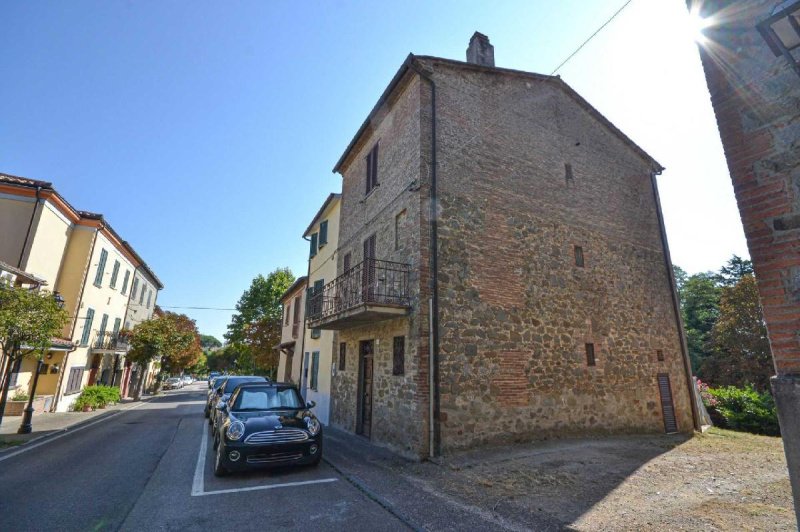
x=667 y=406
x=366 y=350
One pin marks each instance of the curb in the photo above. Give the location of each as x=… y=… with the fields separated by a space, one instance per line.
x=362 y=487
x=74 y=426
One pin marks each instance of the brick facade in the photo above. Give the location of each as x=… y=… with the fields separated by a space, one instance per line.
x=515 y=312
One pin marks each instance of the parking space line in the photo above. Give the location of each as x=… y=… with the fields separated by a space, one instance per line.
x=198 y=484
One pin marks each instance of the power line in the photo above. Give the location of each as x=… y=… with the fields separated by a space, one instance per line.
x=197 y=308
x=606 y=23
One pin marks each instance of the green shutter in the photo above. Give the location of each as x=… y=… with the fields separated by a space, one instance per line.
x=114 y=274
x=323 y=233
x=314 y=369
x=87 y=326
x=98 y=277
x=103 y=324
x=313 y=245
x=117 y=323
x=125 y=282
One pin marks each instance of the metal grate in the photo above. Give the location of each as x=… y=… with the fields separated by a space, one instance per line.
x=276 y=457
x=277 y=436
x=667 y=406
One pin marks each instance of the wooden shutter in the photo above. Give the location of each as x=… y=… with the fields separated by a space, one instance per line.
x=125 y=281
x=347 y=262
x=314 y=370
x=114 y=274
x=667 y=406
x=117 y=323
x=579 y=256
x=323 y=233
x=103 y=324
x=399 y=358
x=313 y=250
x=342 y=356
x=98 y=277
x=87 y=326
x=590 y=360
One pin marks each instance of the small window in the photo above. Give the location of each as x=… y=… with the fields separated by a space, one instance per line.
x=323 y=233
x=286 y=310
x=399 y=223
x=135 y=287
x=590 y=360
x=342 y=355
x=660 y=355
x=315 y=333
x=399 y=359
x=579 y=256
x=141 y=294
x=101 y=266
x=346 y=264
x=568 y=172
x=313 y=250
x=315 y=370
x=74 y=380
x=149 y=295
x=372 y=169
x=125 y=282
x=114 y=274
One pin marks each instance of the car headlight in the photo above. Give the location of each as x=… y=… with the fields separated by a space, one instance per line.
x=235 y=431
x=313 y=425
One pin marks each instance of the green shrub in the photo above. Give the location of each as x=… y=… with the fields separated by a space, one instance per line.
x=81 y=402
x=20 y=396
x=743 y=409
x=99 y=396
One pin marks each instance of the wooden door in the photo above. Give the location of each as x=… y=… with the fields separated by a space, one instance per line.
x=366 y=349
x=667 y=406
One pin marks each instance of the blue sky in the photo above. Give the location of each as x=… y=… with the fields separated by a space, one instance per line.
x=205 y=132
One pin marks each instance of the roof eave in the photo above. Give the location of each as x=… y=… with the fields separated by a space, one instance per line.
x=321 y=211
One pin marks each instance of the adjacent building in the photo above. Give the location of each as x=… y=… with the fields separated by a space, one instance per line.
x=292 y=332
x=320 y=345
x=502 y=268
x=79 y=255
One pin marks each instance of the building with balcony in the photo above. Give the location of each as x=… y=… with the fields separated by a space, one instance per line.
x=320 y=345
x=292 y=332
x=502 y=267
x=78 y=254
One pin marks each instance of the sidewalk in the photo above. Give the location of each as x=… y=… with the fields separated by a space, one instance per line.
x=50 y=423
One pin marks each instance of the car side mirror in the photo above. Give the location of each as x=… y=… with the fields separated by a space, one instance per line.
x=311 y=404
x=219 y=392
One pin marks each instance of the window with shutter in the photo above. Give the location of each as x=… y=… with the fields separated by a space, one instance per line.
x=372 y=169
x=660 y=355
x=114 y=274
x=590 y=360
x=149 y=296
x=135 y=287
x=117 y=324
x=286 y=311
x=579 y=256
x=399 y=355
x=87 y=327
x=323 y=233
x=568 y=172
x=346 y=264
x=313 y=250
x=125 y=282
x=74 y=380
x=101 y=266
x=342 y=356
x=103 y=324
x=315 y=370
x=399 y=222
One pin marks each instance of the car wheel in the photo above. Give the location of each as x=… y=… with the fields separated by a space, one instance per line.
x=219 y=468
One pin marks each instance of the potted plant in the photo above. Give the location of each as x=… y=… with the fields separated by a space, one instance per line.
x=82 y=404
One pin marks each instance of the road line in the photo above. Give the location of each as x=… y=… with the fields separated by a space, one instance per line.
x=198 y=484
x=268 y=486
x=66 y=432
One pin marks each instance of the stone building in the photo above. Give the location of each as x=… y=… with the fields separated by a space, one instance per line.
x=751 y=58
x=497 y=229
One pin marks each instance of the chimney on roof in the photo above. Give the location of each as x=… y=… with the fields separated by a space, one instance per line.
x=480 y=52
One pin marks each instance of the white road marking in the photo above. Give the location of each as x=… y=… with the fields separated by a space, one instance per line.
x=66 y=432
x=198 y=484
x=269 y=486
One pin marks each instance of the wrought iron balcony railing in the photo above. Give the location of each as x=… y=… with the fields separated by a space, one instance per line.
x=372 y=281
x=110 y=341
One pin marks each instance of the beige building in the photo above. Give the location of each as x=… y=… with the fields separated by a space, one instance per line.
x=78 y=254
x=293 y=301
x=319 y=346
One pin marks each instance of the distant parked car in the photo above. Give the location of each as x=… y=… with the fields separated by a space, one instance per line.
x=173 y=383
x=213 y=384
x=211 y=376
x=224 y=390
x=187 y=379
x=263 y=425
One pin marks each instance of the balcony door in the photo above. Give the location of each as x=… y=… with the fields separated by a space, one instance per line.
x=365 y=356
x=368 y=271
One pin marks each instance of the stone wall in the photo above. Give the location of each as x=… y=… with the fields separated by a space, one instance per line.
x=515 y=310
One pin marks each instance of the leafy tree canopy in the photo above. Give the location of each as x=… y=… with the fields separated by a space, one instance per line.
x=28 y=320
x=734 y=270
x=260 y=301
x=208 y=342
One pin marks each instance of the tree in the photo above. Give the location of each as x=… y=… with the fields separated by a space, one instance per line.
x=180 y=360
x=734 y=270
x=680 y=277
x=739 y=343
x=158 y=337
x=262 y=337
x=260 y=301
x=209 y=342
x=29 y=319
x=699 y=297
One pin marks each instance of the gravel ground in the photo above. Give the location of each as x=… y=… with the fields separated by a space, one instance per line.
x=720 y=480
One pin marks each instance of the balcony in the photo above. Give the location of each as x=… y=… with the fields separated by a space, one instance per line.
x=371 y=291
x=110 y=342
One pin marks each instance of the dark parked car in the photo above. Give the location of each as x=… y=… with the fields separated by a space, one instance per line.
x=211 y=376
x=266 y=425
x=213 y=383
x=223 y=390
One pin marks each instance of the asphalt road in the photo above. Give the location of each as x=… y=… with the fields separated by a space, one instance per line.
x=143 y=469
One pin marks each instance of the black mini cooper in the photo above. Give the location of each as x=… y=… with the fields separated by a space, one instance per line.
x=265 y=424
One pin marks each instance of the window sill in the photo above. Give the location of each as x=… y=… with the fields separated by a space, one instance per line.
x=371 y=192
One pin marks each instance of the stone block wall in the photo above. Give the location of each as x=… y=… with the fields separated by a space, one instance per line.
x=515 y=310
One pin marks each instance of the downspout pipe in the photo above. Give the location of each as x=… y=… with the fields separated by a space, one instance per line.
x=676 y=305
x=30 y=227
x=434 y=429
x=303 y=338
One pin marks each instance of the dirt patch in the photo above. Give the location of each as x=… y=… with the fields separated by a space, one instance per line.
x=719 y=480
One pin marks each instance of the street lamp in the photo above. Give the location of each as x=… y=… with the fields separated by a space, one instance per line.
x=26 y=426
x=782 y=31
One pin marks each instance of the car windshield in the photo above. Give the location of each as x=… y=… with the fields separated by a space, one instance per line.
x=233 y=382
x=267 y=398
x=173 y=379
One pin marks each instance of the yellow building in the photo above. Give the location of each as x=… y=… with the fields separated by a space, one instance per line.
x=293 y=327
x=78 y=254
x=319 y=362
